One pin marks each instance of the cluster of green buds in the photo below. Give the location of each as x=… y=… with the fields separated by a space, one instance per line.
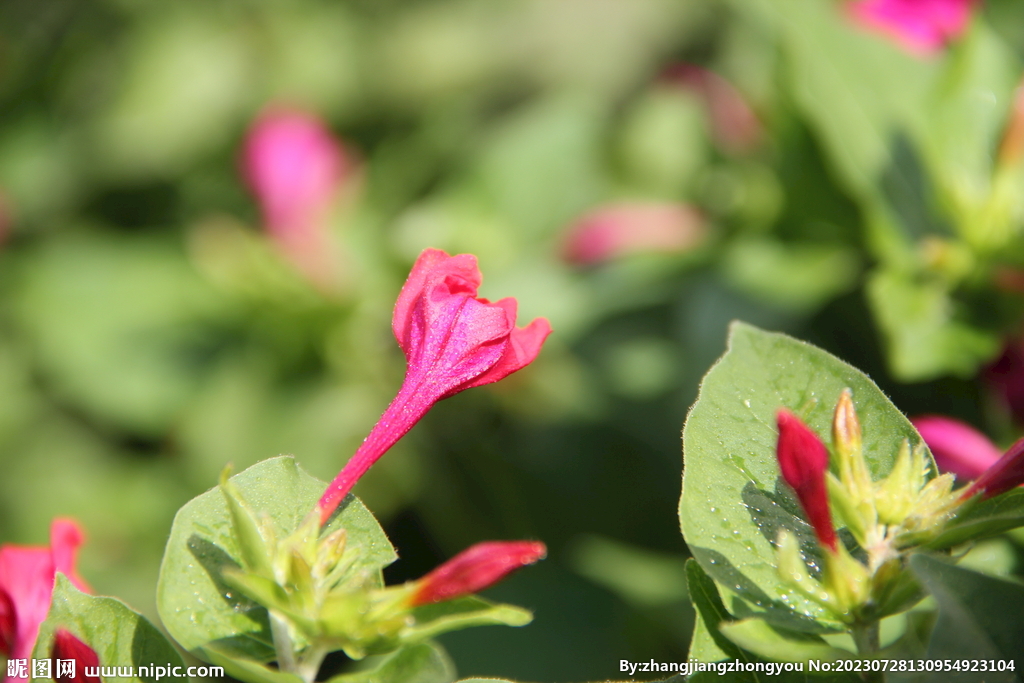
x=886 y=517
x=322 y=595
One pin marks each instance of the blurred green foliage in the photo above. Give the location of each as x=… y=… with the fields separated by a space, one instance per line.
x=150 y=332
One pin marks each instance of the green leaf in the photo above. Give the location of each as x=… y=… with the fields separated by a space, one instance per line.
x=757 y=636
x=979 y=617
x=452 y=615
x=855 y=88
x=119 y=636
x=197 y=607
x=421 y=663
x=984 y=518
x=711 y=613
x=925 y=335
x=734 y=503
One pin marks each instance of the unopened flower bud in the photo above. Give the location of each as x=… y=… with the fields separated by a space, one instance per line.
x=1007 y=473
x=475 y=569
x=803 y=461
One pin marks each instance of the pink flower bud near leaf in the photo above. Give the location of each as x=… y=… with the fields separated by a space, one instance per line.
x=922 y=27
x=295 y=167
x=803 y=460
x=734 y=125
x=616 y=230
x=1005 y=474
x=475 y=569
x=67 y=646
x=452 y=340
x=958 y=447
x=26 y=586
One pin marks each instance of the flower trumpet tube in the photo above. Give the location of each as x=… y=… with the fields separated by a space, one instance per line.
x=956 y=446
x=803 y=460
x=452 y=340
x=474 y=569
x=26 y=586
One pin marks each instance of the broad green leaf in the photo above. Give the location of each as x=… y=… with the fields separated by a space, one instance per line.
x=119 y=636
x=925 y=335
x=857 y=90
x=984 y=518
x=452 y=615
x=757 y=636
x=734 y=503
x=979 y=617
x=421 y=663
x=198 y=609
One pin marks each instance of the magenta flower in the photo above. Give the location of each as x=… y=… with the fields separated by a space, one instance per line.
x=295 y=167
x=26 y=586
x=803 y=460
x=922 y=27
x=452 y=341
x=475 y=569
x=66 y=646
x=616 y=230
x=958 y=447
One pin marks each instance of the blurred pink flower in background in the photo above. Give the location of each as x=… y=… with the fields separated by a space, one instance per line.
x=1005 y=377
x=296 y=169
x=922 y=27
x=957 y=446
x=26 y=586
x=734 y=125
x=616 y=230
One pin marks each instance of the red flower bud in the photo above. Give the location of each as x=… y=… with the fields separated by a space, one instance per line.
x=67 y=647
x=1005 y=474
x=803 y=460
x=452 y=341
x=475 y=569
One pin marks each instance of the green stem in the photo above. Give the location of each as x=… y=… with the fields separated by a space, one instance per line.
x=866 y=638
x=282 y=644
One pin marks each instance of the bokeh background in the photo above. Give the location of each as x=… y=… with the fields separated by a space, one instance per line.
x=640 y=172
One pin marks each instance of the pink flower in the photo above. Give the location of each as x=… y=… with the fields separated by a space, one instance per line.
x=615 y=230
x=958 y=447
x=26 y=586
x=66 y=646
x=295 y=168
x=475 y=569
x=922 y=27
x=734 y=125
x=803 y=460
x=1005 y=474
x=452 y=341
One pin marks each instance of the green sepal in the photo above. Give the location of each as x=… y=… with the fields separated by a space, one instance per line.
x=453 y=615
x=757 y=636
x=982 y=518
x=252 y=546
x=245 y=669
